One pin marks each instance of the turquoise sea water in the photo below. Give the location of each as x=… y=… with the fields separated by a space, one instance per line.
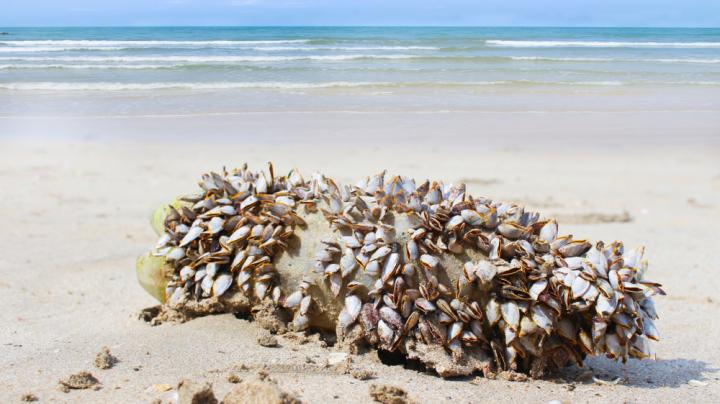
x=355 y=59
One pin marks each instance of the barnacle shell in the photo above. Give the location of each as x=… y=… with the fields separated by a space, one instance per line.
x=462 y=284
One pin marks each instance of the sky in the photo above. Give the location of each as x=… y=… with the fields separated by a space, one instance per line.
x=638 y=13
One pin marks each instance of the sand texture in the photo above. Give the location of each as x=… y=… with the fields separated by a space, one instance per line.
x=75 y=210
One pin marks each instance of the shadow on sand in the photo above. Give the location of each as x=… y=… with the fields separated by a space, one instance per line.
x=647 y=374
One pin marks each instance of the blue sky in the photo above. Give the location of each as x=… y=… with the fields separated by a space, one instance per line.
x=362 y=12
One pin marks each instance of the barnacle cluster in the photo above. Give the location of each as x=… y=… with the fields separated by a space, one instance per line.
x=460 y=283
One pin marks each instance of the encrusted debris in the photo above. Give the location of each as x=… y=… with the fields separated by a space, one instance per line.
x=462 y=284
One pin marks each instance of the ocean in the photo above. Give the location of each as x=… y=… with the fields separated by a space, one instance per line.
x=355 y=64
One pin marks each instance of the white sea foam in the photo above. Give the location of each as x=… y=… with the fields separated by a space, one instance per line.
x=553 y=59
x=709 y=61
x=23 y=49
x=272 y=58
x=494 y=42
x=600 y=44
x=693 y=83
x=53 y=86
x=88 y=66
x=175 y=62
x=202 y=59
x=66 y=42
x=341 y=48
x=20 y=49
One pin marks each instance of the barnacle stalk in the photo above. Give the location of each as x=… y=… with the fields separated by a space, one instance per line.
x=462 y=284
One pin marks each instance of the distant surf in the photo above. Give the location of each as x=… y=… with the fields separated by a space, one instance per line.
x=88 y=42
x=201 y=59
x=391 y=58
x=601 y=44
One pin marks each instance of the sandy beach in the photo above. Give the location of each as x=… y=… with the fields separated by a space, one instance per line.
x=77 y=198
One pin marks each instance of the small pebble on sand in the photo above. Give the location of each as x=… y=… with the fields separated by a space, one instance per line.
x=29 y=397
x=264 y=390
x=104 y=359
x=362 y=374
x=267 y=340
x=190 y=392
x=79 y=381
x=386 y=394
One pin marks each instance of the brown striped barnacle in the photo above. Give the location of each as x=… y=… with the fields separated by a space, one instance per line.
x=462 y=284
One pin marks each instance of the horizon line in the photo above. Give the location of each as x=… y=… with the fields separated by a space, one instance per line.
x=360 y=26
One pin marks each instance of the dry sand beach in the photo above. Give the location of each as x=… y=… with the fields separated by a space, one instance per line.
x=76 y=199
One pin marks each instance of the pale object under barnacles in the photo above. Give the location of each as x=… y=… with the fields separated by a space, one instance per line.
x=462 y=284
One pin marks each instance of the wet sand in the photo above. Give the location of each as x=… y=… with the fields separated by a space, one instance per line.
x=77 y=194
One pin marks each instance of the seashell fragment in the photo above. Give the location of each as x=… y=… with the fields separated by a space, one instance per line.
x=407 y=268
